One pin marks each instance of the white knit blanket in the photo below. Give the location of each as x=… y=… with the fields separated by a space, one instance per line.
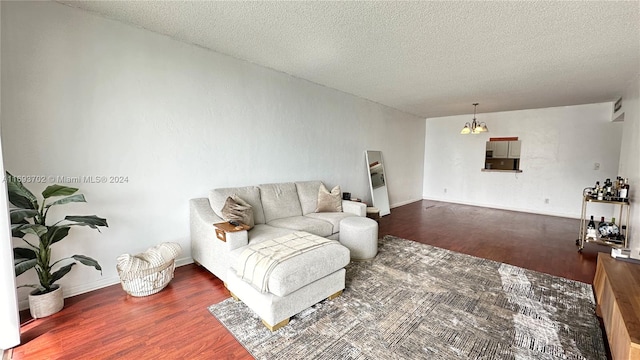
x=153 y=257
x=256 y=262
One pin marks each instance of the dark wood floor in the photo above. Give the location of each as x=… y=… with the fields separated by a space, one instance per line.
x=175 y=323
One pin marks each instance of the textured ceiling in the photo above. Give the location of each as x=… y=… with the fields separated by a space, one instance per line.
x=426 y=58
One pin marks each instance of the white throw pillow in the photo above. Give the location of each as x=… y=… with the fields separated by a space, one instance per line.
x=329 y=201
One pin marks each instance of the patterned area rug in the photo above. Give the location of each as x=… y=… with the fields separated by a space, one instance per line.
x=415 y=301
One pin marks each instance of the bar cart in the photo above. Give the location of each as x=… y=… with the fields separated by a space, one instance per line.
x=625 y=211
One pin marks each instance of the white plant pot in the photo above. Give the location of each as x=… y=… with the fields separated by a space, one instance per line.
x=46 y=304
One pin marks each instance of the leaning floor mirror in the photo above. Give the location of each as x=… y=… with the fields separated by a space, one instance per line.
x=377 y=181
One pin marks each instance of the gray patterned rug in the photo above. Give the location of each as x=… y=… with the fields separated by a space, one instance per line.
x=415 y=301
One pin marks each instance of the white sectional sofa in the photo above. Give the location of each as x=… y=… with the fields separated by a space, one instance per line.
x=278 y=210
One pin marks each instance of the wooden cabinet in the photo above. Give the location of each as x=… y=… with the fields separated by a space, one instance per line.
x=502 y=154
x=617 y=289
x=514 y=149
x=504 y=149
x=500 y=149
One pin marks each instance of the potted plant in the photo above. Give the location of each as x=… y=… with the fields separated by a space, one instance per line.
x=29 y=222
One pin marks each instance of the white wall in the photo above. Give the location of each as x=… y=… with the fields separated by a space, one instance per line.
x=9 y=319
x=87 y=96
x=559 y=148
x=629 y=159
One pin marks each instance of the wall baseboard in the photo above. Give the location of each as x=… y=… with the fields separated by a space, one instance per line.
x=184 y=261
x=402 y=203
x=23 y=304
x=570 y=216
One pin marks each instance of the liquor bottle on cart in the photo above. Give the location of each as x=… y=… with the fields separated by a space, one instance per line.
x=608 y=185
x=591 y=229
x=624 y=191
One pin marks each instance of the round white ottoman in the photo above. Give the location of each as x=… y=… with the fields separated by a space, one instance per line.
x=360 y=236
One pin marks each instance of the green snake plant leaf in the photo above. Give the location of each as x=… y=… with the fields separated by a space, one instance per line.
x=85 y=260
x=68 y=199
x=35 y=229
x=58 y=190
x=23 y=266
x=60 y=273
x=91 y=221
x=16 y=230
x=19 y=195
x=57 y=233
x=19 y=215
x=23 y=254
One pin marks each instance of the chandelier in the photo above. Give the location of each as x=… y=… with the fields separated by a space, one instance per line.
x=474 y=127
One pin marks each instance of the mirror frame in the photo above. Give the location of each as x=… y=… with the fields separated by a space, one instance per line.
x=379 y=193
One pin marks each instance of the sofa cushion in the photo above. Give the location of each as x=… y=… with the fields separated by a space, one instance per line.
x=304 y=223
x=303 y=269
x=279 y=201
x=250 y=194
x=329 y=201
x=236 y=209
x=308 y=195
x=333 y=218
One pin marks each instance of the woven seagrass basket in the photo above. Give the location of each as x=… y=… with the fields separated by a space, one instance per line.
x=147 y=281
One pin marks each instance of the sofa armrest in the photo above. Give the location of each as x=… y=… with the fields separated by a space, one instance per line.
x=354 y=207
x=205 y=215
x=206 y=248
x=237 y=239
x=201 y=211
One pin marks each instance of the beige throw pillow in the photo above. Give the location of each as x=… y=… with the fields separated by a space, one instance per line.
x=329 y=201
x=238 y=210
